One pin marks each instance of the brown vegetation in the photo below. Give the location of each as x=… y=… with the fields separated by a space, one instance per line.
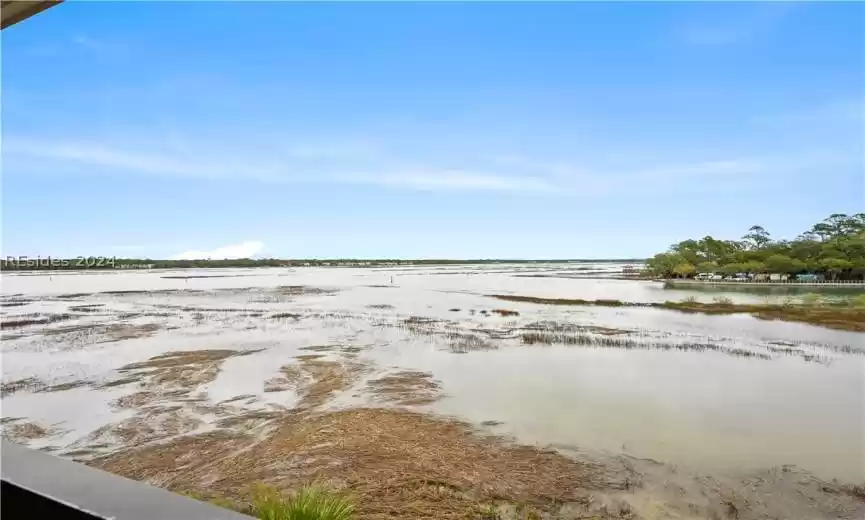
x=563 y=327
x=406 y=388
x=314 y=379
x=830 y=316
x=184 y=369
x=303 y=290
x=590 y=340
x=833 y=317
x=286 y=315
x=396 y=464
x=31 y=319
x=22 y=431
x=29 y=383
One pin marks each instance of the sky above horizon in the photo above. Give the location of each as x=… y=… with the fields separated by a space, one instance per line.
x=427 y=130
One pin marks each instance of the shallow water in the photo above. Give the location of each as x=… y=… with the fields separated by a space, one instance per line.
x=767 y=393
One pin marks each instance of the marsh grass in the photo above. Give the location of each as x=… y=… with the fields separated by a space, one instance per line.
x=32 y=319
x=286 y=315
x=406 y=388
x=464 y=343
x=841 y=315
x=268 y=503
x=601 y=341
x=395 y=464
x=307 y=503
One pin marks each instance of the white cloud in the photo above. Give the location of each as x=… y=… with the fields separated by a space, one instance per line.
x=341 y=163
x=454 y=180
x=276 y=169
x=244 y=250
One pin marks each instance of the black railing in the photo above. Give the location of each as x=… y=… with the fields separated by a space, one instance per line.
x=37 y=485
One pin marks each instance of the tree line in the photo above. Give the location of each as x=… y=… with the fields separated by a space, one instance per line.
x=46 y=263
x=834 y=248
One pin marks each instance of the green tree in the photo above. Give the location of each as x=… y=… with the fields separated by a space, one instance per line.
x=730 y=269
x=664 y=264
x=783 y=264
x=707 y=267
x=753 y=266
x=834 y=247
x=684 y=270
x=835 y=266
x=757 y=237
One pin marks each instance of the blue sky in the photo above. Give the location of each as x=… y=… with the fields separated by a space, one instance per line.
x=547 y=130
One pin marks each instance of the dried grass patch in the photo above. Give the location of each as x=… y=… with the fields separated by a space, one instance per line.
x=396 y=464
x=314 y=379
x=406 y=388
x=185 y=369
x=26 y=384
x=23 y=431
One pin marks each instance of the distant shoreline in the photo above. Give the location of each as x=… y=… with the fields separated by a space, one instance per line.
x=135 y=264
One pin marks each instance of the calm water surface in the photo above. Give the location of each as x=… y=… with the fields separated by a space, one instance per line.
x=714 y=410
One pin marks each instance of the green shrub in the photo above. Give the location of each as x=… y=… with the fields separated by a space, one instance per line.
x=690 y=299
x=722 y=300
x=308 y=503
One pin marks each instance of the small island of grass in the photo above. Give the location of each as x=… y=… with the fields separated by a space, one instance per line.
x=846 y=314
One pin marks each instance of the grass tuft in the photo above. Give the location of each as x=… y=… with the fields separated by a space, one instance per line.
x=307 y=503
